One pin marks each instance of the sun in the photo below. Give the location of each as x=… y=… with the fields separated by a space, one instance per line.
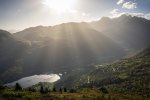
x=59 y=5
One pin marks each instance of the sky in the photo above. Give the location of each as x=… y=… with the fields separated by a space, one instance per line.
x=16 y=15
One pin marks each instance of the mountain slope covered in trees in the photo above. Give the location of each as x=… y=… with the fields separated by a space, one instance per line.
x=127 y=76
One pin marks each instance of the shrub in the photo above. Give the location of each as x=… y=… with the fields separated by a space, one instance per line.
x=18 y=87
x=72 y=91
x=65 y=89
x=104 y=90
x=2 y=87
x=54 y=89
x=42 y=90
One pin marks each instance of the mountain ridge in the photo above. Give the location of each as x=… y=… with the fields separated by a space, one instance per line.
x=120 y=29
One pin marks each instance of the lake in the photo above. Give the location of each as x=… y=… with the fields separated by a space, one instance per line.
x=35 y=79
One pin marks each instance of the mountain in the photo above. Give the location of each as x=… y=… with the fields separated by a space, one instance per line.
x=33 y=33
x=11 y=51
x=130 y=32
x=70 y=48
x=129 y=76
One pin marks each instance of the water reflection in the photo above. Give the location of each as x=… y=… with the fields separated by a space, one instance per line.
x=35 y=79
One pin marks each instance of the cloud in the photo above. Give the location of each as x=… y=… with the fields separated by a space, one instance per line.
x=130 y=5
x=120 y=2
x=146 y=16
x=117 y=13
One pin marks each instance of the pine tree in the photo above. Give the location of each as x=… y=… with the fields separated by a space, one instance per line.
x=65 y=89
x=54 y=89
x=46 y=90
x=60 y=90
x=42 y=89
x=18 y=87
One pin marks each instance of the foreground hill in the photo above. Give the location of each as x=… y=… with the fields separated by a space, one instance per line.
x=127 y=79
x=127 y=76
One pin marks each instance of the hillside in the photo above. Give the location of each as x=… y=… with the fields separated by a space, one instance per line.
x=128 y=76
x=130 y=32
x=67 y=47
x=124 y=79
x=11 y=51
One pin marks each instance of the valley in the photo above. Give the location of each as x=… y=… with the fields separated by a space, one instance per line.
x=98 y=60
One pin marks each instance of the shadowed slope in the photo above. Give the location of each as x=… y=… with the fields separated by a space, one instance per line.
x=68 y=46
x=132 y=33
x=128 y=76
x=11 y=51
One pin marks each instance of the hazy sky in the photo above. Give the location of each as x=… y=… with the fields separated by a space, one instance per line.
x=20 y=14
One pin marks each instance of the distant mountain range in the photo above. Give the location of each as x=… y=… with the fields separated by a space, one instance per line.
x=129 y=32
x=70 y=46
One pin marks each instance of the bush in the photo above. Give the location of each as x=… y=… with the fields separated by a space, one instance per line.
x=60 y=90
x=2 y=87
x=65 y=89
x=72 y=91
x=54 y=89
x=18 y=87
x=104 y=90
x=42 y=90
x=31 y=89
x=13 y=94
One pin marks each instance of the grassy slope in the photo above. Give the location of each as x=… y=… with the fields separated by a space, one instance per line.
x=128 y=76
x=131 y=75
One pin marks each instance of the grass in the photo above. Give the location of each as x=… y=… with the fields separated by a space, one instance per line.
x=81 y=94
x=27 y=95
x=20 y=94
